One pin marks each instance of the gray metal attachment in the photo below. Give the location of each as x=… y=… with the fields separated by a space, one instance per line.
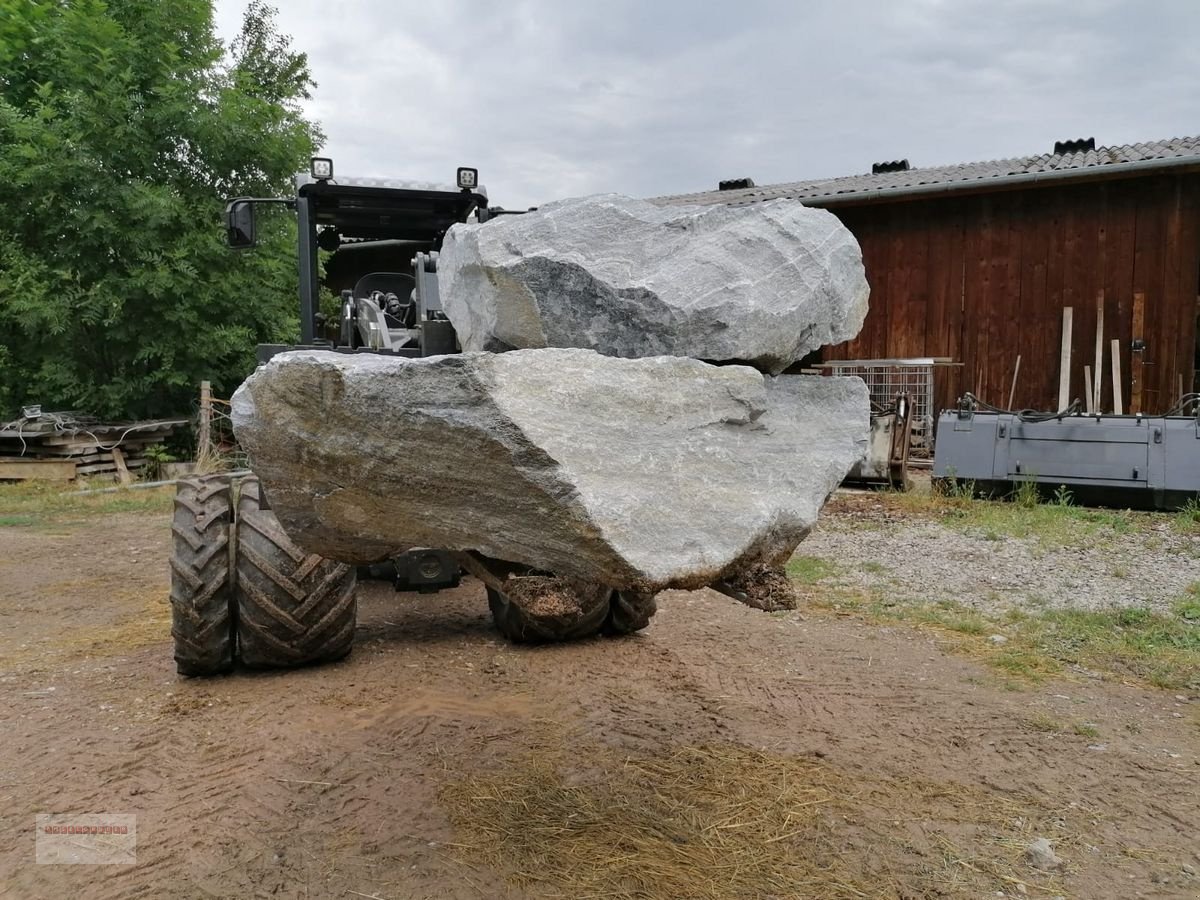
x=1134 y=460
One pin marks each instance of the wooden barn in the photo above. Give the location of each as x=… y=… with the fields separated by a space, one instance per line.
x=976 y=263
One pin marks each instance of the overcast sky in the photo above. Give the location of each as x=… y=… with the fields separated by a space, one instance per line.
x=558 y=98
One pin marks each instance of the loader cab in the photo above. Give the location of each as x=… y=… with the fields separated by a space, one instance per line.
x=383 y=235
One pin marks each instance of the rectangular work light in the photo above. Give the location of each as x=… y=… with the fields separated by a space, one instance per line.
x=321 y=168
x=468 y=179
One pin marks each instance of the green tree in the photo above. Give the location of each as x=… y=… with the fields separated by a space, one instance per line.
x=123 y=125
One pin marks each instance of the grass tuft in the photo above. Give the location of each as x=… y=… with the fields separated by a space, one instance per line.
x=1026 y=494
x=810 y=570
x=1045 y=723
x=1187 y=517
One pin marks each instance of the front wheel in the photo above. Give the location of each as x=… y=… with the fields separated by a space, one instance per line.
x=293 y=608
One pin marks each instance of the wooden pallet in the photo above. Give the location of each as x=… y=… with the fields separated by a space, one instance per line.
x=88 y=450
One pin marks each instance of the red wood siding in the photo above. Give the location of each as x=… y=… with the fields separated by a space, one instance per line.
x=981 y=279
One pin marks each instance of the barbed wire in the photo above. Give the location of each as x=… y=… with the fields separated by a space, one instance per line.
x=222 y=442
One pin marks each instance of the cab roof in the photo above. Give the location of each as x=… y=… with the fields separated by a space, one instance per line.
x=383 y=208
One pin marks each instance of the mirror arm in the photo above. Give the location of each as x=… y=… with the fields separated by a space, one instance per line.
x=290 y=203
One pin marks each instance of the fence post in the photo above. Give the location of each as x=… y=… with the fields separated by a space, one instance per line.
x=204 y=439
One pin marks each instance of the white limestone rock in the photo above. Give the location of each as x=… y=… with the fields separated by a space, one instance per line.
x=763 y=284
x=639 y=474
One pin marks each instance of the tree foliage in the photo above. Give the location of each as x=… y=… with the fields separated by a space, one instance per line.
x=123 y=126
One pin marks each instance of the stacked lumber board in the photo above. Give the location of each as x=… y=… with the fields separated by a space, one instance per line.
x=96 y=449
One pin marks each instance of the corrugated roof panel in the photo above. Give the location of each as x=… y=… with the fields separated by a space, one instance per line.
x=900 y=182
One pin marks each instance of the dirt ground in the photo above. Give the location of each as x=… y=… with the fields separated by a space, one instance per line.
x=392 y=774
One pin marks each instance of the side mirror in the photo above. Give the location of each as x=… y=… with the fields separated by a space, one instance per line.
x=240 y=230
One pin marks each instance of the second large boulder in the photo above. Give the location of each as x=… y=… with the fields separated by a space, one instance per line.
x=763 y=284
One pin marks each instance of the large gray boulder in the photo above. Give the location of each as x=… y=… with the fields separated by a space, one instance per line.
x=638 y=474
x=762 y=284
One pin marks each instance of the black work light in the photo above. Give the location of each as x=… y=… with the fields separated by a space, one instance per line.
x=468 y=179
x=321 y=168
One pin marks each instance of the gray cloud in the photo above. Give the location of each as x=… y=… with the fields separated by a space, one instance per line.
x=553 y=99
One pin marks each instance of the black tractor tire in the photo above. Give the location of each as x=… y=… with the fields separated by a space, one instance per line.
x=629 y=612
x=293 y=608
x=521 y=626
x=201 y=610
x=622 y=613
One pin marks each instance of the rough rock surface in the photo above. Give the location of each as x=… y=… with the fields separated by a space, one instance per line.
x=761 y=586
x=763 y=284
x=639 y=474
x=1040 y=854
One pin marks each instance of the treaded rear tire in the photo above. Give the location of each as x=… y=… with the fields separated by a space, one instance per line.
x=624 y=613
x=201 y=614
x=293 y=608
x=519 y=626
x=629 y=612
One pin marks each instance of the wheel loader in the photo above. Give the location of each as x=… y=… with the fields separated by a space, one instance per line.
x=241 y=591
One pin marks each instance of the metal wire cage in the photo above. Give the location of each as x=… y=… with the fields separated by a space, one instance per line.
x=885 y=378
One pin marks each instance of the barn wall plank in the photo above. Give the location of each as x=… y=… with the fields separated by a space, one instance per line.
x=1120 y=219
x=1188 y=298
x=1038 y=377
x=944 y=311
x=1148 y=270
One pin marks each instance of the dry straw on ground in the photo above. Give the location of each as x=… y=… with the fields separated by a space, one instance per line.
x=720 y=822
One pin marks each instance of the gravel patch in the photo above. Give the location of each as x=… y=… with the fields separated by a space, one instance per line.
x=916 y=559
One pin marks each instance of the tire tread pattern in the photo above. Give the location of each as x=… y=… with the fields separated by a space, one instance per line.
x=201 y=621
x=624 y=614
x=629 y=612
x=294 y=608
